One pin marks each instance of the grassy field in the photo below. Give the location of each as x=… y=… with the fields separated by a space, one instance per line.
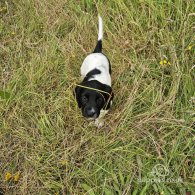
x=147 y=143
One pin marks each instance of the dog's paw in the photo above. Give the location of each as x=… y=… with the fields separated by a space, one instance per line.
x=99 y=123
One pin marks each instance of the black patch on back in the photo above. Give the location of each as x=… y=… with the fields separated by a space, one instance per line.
x=98 y=47
x=91 y=74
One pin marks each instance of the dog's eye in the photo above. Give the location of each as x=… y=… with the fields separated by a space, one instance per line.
x=84 y=99
x=99 y=101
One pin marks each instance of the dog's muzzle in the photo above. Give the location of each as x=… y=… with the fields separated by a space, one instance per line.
x=91 y=112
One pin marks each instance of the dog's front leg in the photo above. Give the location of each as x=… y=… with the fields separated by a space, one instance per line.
x=99 y=122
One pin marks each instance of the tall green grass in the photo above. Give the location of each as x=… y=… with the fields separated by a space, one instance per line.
x=150 y=128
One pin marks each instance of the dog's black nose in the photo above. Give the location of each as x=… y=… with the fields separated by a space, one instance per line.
x=91 y=112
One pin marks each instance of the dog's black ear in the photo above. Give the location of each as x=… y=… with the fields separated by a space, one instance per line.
x=108 y=97
x=77 y=95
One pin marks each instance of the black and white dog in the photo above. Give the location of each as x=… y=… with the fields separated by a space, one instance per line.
x=94 y=94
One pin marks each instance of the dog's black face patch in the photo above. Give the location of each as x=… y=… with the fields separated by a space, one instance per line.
x=91 y=101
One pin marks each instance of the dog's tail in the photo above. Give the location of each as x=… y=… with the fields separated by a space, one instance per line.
x=98 y=47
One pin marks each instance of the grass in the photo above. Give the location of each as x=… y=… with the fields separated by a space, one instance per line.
x=147 y=144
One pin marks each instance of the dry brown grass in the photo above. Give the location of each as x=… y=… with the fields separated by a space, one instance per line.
x=43 y=135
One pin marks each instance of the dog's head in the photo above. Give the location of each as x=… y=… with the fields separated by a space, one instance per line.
x=92 y=101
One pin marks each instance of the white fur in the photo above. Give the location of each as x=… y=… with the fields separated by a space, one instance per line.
x=102 y=113
x=100 y=62
x=99 y=122
x=100 y=32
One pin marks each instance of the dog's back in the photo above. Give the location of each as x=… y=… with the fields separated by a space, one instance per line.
x=97 y=60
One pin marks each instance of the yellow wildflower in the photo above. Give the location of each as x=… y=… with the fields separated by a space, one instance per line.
x=164 y=63
x=162 y=193
x=17 y=176
x=189 y=47
x=13 y=33
x=8 y=176
x=161 y=62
